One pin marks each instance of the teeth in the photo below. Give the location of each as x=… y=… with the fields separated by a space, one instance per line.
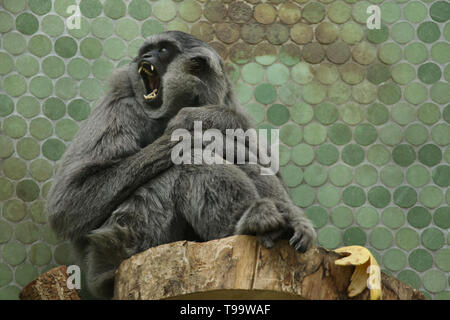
x=140 y=69
x=152 y=68
x=151 y=95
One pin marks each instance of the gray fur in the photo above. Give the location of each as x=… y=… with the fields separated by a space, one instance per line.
x=117 y=193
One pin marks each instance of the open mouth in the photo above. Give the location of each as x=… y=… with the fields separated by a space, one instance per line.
x=151 y=80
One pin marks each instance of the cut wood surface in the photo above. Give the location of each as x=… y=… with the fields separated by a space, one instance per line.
x=51 y=285
x=238 y=267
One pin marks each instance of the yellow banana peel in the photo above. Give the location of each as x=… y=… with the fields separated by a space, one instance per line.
x=367 y=271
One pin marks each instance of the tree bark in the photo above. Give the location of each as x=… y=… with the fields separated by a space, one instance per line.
x=51 y=285
x=239 y=268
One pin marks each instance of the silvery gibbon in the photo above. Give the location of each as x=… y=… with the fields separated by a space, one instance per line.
x=117 y=193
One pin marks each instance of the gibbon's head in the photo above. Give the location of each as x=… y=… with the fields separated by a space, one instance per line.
x=175 y=70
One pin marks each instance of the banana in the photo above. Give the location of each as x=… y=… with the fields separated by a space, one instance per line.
x=366 y=274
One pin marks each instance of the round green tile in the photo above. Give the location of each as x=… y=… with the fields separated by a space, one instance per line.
x=302 y=73
x=41 y=87
x=359 y=11
x=314 y=93
x=114 y=9
x=381 y=238
x=9 y=293
x=367 y=217
x=352 y=114
x=416 y=53
x=78 y=68
x=315 y=175
x=127 y=29
x=65 y=47
x=265 y=93
x=82 y=30
x=341 y=175
x=46 y=188
x=352 y=154
x=317 y=215
x=14 y=210
x=14 y=168
x=403 y=73
x=289 y=13
x=364 y=92
x=393 y=217
x=301 y=113
x=6 y=63
x=27 y=232
x=366 y=175
x=440 y=92
x=15 y=85
x=6 y=105
x=434 y=281
x=52 y=25
x=256 y=111
x=150 y=27
x=314 y=133
x=285 y=154
x=241 y=53
x=243 y=92
x=41 y=128
x=407 y=239
x=37 y=212
x=102 y=27
x=415 y=93
x=6 y=274
x=6 y=22
x=27 y=23
x=440 y=11
x=442 y=259
x=352 y=73
x=277 y=74
x=114 y=48
x=102 y=68
x=339 y=92
x=164 y=10
x=290 y=54
x=91 y=8
x=428 y=32
x=27 y=190
x=61 y=7
x=429 y=113
x=327 y=154
x=364 y=53
x=329 y=237
x=27 y=65
x=253 y=73
x=314 y=53
x=277 y=33
x=278 y=114
x=354 y=236
x=403 y=155
x=403 y=114
x=377 y=114
x=303 y=196
x=441 y=176
x=430 y=155
x=402 y=32
x=139 y=9
x=53 y=149
x=419 y=217
x=292 y=175
x=378 y=35
x=6 y=147
x=447 y=155
x=431 y=196
x=290 y=134
x=27 y=148
x=439 y=52
x=432 y=238
x=313 y=12
x=25 y=273
x=301 y=33
x=365 y=134
x=91 y=48
x=429 y=73
x=354 y=196
x=40 y=254
x=351 y=33
x=14 y=126
x=390 y=12
x=389 y=93
x=326 y=32
x=394 y=259
x=378 y=73
x=6 y=190
x=416 y=134
x=417 y=175
x=415 y=11
x=379 y=197
x=342 y=217
x=13 y=253
x=53 y=67
x=441 y=134
x=302 y=154
x=339 y=134
x=14 y=43
x=405 y=197
x=41 y=170
x=326 y=113
x=328 y=196
x=66 y=88
x=6 y=232
x=390 y=53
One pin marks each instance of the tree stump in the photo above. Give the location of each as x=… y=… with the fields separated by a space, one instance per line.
x=238 y=267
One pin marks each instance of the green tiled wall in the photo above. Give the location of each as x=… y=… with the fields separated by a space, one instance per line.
x=363 y=114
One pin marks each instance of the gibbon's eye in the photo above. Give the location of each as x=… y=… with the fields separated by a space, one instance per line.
x=163 y=50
